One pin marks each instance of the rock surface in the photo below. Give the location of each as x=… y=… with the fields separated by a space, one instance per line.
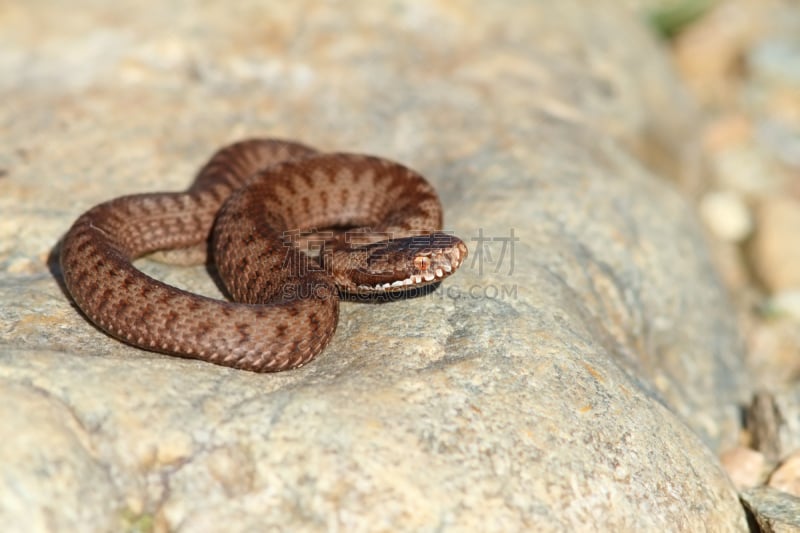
x=772 y=511
x=582 y=380
x=773 y=423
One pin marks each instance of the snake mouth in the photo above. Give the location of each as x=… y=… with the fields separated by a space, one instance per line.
x=425 y=260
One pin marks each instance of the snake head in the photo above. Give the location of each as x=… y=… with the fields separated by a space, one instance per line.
x=400 y=264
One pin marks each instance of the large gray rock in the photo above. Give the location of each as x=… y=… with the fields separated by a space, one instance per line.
x=583 y=381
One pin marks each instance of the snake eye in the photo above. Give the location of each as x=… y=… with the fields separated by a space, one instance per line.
x=422 y=263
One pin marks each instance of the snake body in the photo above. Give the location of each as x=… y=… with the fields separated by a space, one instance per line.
x=255 y=202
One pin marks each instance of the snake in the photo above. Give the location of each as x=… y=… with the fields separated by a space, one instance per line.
x=290 y=230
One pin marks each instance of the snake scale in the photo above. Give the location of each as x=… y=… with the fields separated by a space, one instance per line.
x=254 y=205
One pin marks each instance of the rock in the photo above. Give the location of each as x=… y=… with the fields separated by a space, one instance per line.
x=765 y=424
x=709 y=53
x=726 y=215
x=786 y=477
x=785 y=303
x=746 y=467
x=776 y=246
x=774 y=351
x=772 y=511
x=773 y=422
x=581 y=371
x=52 y=478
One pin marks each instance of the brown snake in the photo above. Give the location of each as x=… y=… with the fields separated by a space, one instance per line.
x=260 y=197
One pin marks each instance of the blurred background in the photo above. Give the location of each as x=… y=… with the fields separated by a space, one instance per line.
x=740 y=61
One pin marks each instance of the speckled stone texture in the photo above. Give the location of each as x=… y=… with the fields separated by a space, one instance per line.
x=579 y=372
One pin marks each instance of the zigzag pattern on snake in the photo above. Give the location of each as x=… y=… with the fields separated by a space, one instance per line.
x=256 y=201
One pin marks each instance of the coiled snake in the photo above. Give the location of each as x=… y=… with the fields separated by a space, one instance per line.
x=260 y=197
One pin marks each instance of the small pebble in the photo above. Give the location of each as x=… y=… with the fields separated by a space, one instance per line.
x=786 y=477
x=784 y=304
x=745 y=467
x=726 y=215
x=776 y=247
